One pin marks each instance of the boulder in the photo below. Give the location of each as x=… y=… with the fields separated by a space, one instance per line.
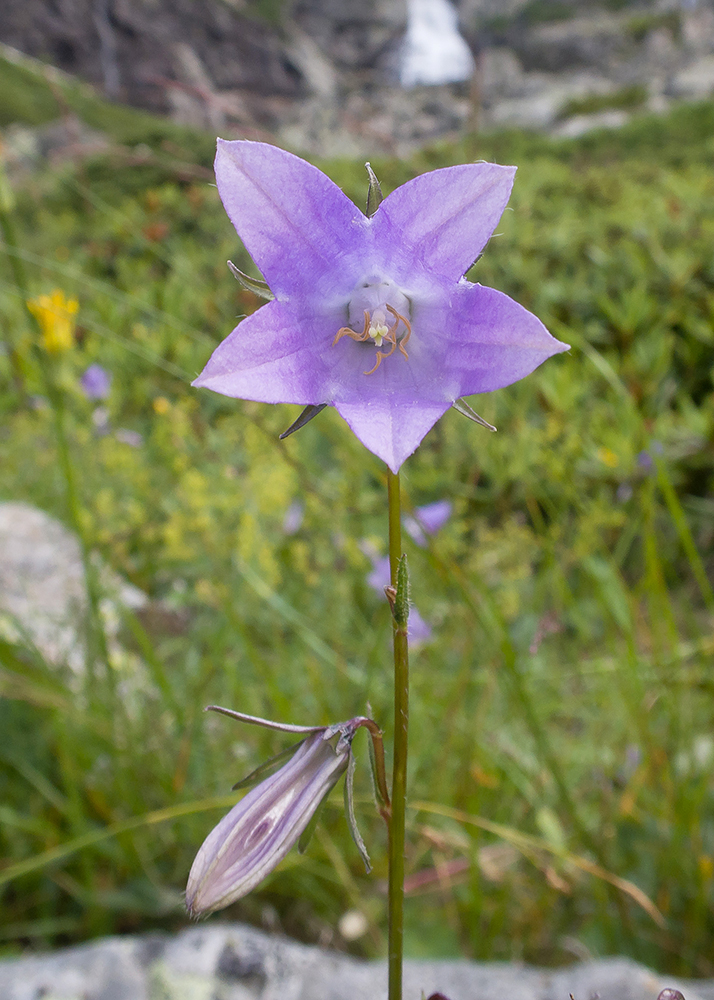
x=219 y=961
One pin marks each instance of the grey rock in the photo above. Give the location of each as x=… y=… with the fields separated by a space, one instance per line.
x=357 y=35
x=695 y=81
x=42 y=594
x=220 y=961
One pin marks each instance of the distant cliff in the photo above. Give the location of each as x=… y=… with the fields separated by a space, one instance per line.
x=322 y=75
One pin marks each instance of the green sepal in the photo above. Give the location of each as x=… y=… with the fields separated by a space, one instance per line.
x=373 y=774
x=461 y=406
x=255 y=285
x=308 y=414
x=265 y=769
x=306 y=835
x=374 y=193
x=350 y=813
x=401 y=601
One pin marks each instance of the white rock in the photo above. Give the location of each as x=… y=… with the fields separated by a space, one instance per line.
x=233 y=962
x=695 y=81
x=42 y=593
x=579 y=124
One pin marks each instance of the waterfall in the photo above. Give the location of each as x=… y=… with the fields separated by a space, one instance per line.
x=434 y=52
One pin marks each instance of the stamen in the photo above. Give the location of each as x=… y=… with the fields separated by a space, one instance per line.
x=380 y=354
x=346 y=331
x=407 y=335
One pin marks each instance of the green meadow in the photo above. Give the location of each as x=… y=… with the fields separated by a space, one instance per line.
x=562 y=740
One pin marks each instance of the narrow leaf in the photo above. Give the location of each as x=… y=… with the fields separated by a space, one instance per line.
x=265 y=769
x=305 y=417
x=255 y=285
x=283 y=727
x=374 y=192
x=350 y=813
x=461 y=406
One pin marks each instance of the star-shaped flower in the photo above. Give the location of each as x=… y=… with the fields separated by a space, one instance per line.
x=371 y=315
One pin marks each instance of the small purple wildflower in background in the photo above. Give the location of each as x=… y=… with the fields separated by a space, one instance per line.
x=418 y=630
x=294 y=517
x=100 y=419
x=379 y=577
x=427 y=520
x=132 y=438
x=370 y=315
x=96 y=382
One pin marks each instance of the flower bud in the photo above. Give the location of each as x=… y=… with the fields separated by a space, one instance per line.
x=259 y=831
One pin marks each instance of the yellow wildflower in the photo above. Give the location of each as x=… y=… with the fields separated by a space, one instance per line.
x=608 y=457
x=55 y=314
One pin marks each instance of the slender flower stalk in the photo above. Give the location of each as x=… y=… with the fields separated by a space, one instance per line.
x=397 y=830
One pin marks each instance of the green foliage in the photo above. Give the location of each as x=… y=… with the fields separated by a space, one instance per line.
x=640 y=25
x=566 y=693
x=626 y=98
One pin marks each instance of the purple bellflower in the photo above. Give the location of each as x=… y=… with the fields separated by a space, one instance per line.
x=427 y=520
x=261 y=829
x=370 y=314
x=96 y=382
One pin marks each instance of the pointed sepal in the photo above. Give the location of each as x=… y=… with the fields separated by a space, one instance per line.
x=374 y=192
x=267 y=768
x=255 y=285
x=308 y=414
x=461 y=406
x=350 y=814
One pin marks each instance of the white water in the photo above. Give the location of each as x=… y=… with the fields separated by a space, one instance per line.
x=434 y=52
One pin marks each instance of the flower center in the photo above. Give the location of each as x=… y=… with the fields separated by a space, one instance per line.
x=375 y=304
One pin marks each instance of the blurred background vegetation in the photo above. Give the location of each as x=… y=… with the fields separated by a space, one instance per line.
x=562 y=798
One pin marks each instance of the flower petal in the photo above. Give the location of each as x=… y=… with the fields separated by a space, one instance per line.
x=274 y=356
x=492 y=340
x=391 y=427
x=445 y=217
x=302 y=231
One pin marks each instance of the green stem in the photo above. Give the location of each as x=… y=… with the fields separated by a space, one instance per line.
x=399 y=774
x=96 y=640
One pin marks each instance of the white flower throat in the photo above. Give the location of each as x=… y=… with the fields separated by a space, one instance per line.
x=382 y=310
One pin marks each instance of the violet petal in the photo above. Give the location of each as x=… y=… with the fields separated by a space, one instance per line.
x=492 y=340
x=274 y=356
x=446 y=217
x=301 y=230
x=392 y=428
